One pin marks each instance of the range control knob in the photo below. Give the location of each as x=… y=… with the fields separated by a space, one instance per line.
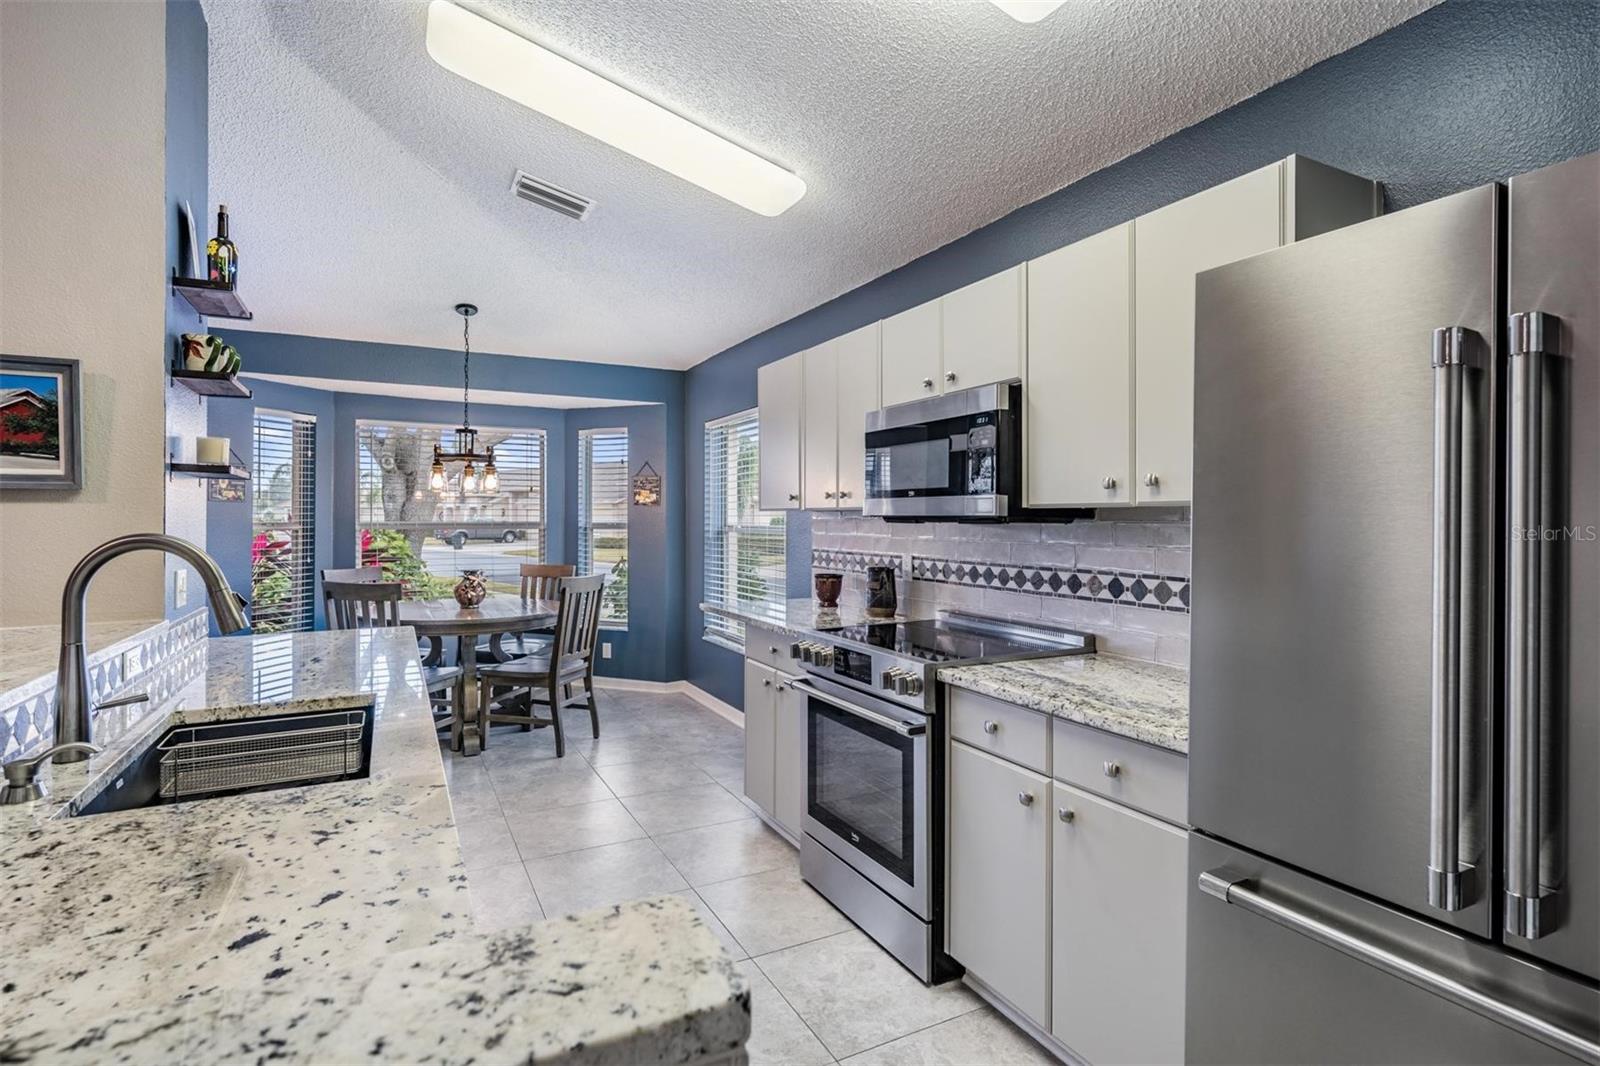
x=824 y=655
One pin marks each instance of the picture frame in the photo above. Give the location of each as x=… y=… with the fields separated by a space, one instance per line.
x=41 y=423
x=647 y=487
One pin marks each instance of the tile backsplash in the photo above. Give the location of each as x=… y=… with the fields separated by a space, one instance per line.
x=1123 y=575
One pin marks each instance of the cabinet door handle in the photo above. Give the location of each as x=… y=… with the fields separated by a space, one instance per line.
x=794 y=497
x=1109 y=483
x=844 y=495
x=766 y=682
x=827 y=495
x=991 y=727
x=1152 y=480
x=772 y=649
x=950 y=375
x=927 y=383
x=1111 y=768
x=1066 y=814
x=1025 y=798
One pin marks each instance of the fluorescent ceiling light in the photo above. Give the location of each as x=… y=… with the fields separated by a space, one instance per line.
x=1027 y=10
x=516 y=68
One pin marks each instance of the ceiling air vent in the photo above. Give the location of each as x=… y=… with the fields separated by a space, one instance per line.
x=557 y=199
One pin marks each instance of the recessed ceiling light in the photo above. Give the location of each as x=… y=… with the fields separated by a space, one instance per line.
x=1027 y=10
x=537 y=78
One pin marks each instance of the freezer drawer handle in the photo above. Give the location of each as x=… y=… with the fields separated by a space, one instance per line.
x=1455 y=354
x=1529 y=911
x=1229 y=888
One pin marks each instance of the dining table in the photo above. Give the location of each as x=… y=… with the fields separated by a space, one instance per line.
x=498 y=616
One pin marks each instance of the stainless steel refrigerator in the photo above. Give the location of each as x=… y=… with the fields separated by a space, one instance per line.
x=1395 y=687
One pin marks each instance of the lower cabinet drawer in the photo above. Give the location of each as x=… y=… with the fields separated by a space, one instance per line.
x=1146 y=778
x=768 y=647
x=1002 y=729
x=999 y=903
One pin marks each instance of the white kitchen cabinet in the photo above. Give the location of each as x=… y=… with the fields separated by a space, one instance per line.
x=1287 y=201
x=912 y=342
x=1078 y=385
x=985 y=331
x=789 y=758
x=780 y=392
x=819 y=435
x=1120 y=895
x=840 y=387
x=858 y=394
x=760 y=735
x=999 y=879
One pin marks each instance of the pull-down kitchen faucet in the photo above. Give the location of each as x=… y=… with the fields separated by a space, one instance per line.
x=72 y=673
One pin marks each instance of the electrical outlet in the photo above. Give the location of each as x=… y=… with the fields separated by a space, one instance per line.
x=180 y=586
x=605 y=650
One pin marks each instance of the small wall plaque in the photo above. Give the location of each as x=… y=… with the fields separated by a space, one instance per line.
x=647 y=487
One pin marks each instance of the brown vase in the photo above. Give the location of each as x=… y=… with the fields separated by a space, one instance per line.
x=472 y=588
x=828 y=586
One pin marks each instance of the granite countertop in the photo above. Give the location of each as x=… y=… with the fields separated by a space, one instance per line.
x=305 y=924
x=1129 y=697
x=800 y=617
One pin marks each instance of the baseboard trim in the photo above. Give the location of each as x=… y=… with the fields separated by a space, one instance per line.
x=694 y=692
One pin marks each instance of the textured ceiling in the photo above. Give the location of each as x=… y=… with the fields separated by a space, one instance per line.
x=369 y=188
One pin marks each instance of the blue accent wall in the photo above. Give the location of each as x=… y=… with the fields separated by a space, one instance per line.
x=1465 y=93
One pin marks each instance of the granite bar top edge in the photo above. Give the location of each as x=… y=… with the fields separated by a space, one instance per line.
x=1142 y=701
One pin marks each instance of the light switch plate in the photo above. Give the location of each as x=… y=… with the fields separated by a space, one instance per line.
x=180 y=586
x=605 y=650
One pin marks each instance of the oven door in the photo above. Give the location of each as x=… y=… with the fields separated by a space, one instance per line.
x=867 y=788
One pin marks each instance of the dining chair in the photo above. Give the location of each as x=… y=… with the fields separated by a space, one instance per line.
x=431 y=648
x=540 y=581
x=366 y=604
x=568 y=662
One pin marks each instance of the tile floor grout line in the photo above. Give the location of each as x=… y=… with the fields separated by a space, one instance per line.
x=801 y=1017
x=920 y=1029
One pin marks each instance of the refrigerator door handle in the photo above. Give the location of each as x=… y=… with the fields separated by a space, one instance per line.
x=1528 y=911
x=1450 y=881
x=1224 y=885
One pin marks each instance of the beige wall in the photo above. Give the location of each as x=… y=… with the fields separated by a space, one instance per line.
x=82 y=222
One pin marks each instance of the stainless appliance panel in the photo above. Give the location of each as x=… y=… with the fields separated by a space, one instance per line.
x=1314 y=684
x=1264 y=992
x=1554 y=269
x=955 y=404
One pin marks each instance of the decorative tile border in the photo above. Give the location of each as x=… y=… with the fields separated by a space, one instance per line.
x=1159 y=592
x=27 y=720
x=836 y=559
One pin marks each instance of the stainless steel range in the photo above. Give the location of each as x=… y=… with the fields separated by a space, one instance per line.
x=874 y=768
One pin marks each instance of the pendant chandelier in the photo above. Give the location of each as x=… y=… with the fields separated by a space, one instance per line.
x=466 y=445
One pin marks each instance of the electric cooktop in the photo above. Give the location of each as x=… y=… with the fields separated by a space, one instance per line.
x=947 y=640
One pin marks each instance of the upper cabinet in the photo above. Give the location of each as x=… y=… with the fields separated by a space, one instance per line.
x=780 y=407
x=820 y=436
x=985 y=330
x=858 y=394
x=1077 y=391
x=1289 y=200
x=911 y=354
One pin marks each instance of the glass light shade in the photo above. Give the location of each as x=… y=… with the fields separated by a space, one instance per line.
x=491 y=478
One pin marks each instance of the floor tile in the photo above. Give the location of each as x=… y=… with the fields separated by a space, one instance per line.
x=982 y=1036
x=707 y=915
x=777 y=1035
x=536 y=788
x=725 y=770
x=685 y=808
x=610 y=750
x=651 y=775
x=852 y=993
x=731 y=849
x=502 y=898
x=553 y=830
x=580 y=880
x=485 y=841
x=773 y=910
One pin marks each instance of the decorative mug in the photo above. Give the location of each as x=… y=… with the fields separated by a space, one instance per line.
x=828 y=587
x=881 y=597
x=472 y=588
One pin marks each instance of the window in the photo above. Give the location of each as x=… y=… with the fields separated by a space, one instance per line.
x=744 y=544
x=426 y=538
x=603 y=517
x=283 y=545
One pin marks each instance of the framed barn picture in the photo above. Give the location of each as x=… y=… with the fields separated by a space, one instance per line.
x=41 y=423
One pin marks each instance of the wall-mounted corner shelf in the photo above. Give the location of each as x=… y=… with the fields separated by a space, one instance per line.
x=212 y=383
x=219 y=471
x=210 y=298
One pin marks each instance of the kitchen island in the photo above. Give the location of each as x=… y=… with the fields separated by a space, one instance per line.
x=321 y=923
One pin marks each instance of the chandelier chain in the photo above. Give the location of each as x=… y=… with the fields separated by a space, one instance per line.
x=466 y=368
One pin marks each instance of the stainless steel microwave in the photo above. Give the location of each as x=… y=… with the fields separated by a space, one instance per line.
x=953 y=456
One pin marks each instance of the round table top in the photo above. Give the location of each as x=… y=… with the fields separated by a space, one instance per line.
x=498 y=613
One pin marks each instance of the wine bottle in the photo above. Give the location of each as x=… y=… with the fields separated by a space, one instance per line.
x=222 y=258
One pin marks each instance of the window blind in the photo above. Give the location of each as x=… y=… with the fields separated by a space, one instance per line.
x=425 y=537
x=603 y=497
x=744 y=545
x=283 y=523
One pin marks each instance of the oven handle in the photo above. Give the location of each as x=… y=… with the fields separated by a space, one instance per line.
x=905 y=729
